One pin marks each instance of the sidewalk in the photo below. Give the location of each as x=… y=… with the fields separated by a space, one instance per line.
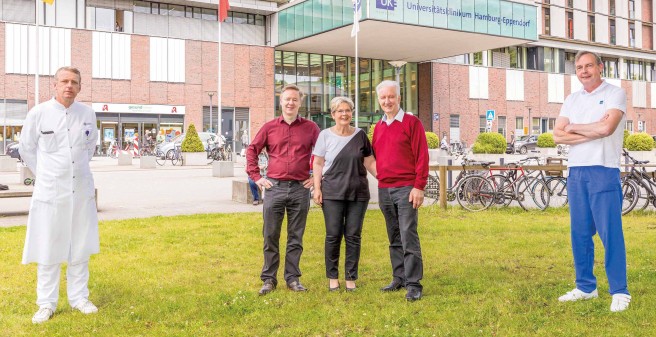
x=126 y=192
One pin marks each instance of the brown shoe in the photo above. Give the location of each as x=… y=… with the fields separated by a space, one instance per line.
x=267 y=287
x=296 y=286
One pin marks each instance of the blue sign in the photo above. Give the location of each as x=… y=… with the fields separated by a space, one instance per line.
x=490 y=115
x=386 y=4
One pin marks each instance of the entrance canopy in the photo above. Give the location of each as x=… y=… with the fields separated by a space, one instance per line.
x=408 y=30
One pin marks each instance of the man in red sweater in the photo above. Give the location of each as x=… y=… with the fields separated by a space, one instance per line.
x=289 y=140
x=401 y=152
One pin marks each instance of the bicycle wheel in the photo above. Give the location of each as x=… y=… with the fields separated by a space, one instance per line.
x=211 y=155
x=475 y=193
x=432 y=189
x=113 y=153
x=160 y=159
x=176 y=159
x=630 y=196
x=643 y=196
x=504 y=192
x=558 y=191
x=532 y=191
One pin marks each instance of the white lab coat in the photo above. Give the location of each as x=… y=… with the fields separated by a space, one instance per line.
x=57 y=144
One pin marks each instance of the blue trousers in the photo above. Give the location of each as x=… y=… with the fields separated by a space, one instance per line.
x=595 y=204
x=254 y=189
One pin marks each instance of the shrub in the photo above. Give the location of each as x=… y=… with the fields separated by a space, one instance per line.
x=489 y=142
x=546 y=140
x=433 y=140
x=370 y=133
x=192 y=142
x=626 y=135
x=639 y=142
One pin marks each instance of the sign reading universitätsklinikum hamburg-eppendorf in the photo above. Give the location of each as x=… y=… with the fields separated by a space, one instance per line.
x=496 y=17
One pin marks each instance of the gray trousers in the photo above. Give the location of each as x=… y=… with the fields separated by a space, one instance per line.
x=292 y=197
x=343 y=218
x=401 y=220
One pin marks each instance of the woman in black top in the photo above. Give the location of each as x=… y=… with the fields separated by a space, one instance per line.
x=342 y=156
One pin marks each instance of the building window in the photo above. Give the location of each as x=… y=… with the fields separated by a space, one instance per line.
x=519 y=125
x=591 y=28
x=613 y=40
x=110 y=56
x=611 y=68
x=501 y=125
x=635 y=70
x=547 y=21
x=631 y=9
x=482 y=124
x=514 y=85
x=570 y=25
x=478 y=82
x=591 y=5
x=611 y=6
x=167 y=60
x=632 y=35
x=570 y=3
x=20 y=57
x=628 y=125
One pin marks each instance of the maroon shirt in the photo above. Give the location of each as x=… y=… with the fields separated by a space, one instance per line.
x=289 y=147
x=401 y=153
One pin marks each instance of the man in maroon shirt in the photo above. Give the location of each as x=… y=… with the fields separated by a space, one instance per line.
x=399 y=144
x=288 y=140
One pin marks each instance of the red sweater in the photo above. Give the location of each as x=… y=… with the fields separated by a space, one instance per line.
x=401 y=153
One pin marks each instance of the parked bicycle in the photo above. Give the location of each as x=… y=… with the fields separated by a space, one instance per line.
x=175 y=155
x=112 y=149
x=432 y=189
x=638 y=186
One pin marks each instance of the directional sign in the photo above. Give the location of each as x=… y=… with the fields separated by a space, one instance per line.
x=490 y=115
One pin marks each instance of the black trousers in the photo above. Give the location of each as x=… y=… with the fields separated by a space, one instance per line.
x=293 y=198
x=401 y=220
x=343 y=218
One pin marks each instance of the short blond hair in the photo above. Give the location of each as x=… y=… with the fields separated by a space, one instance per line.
x=335 y=102
x=291 y=87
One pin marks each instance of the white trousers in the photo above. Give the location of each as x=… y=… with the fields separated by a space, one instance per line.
x=47 y=287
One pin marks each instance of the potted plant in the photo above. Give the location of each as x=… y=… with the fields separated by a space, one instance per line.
x=546 y=144
x=433 y=142
x=193 y=151
x=640 y=146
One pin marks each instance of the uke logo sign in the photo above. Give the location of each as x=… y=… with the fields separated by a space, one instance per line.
x=386 y=4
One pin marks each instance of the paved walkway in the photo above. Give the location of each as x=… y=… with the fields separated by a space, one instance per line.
x=126 y=192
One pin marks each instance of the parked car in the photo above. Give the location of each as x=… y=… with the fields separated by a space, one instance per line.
x=167 y=147
x=526 y=143
x=12 y=151
x=510 y=148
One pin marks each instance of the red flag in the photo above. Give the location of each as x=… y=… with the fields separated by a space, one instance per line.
x=224 y=6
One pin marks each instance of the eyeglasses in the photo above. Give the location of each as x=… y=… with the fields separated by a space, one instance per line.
x=344 y=112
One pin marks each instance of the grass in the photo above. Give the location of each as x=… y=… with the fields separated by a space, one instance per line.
x=495 y=273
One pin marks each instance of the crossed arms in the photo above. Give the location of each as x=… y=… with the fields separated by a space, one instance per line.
x=572 y=134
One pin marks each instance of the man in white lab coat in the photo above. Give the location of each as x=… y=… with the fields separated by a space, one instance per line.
x=57 y=142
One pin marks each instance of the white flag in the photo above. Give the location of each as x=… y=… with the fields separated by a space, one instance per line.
x=357 y=14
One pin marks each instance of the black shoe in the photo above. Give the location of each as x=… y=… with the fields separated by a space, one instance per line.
x=296 y=286
x=267 y=287
x=394 y=286
x=351 y=289
x=413 y=294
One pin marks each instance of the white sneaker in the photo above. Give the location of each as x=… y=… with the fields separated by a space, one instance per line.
x=42 y=315
x=86 y=307
x=620 y=302
x=576 y=295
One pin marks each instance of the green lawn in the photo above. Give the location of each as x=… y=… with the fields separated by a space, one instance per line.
x=494 y=273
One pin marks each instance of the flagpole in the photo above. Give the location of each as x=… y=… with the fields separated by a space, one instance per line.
x=357 y=81
x=219 y=93
x=36 y=56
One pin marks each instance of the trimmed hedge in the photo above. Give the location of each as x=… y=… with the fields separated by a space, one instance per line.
x=626 y=135
x=639 y=142
x=490 y=142
x=433 y=140
x=192 y=142
x=370 y=133
x=546 y=140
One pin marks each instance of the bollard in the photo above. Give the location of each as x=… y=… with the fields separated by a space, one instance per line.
x=450 y=173
x=443 y=187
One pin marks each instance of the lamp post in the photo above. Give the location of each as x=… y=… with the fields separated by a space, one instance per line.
x=397 y=67
x=210 y=93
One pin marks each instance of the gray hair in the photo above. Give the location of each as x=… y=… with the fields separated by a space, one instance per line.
x=69 y=69
x=586 y=52
x=335 y=102
x=388 y=83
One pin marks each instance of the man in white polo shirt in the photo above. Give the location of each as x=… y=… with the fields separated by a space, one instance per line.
x=590 y=122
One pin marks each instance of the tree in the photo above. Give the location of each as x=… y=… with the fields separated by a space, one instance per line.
x=192 y=142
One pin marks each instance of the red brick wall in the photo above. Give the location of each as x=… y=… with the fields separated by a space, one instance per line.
x=647 y=38
x=647 y=11
x=247 y=79
x=424 y=93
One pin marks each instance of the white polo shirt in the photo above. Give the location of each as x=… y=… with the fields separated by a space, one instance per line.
x=583 y=107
